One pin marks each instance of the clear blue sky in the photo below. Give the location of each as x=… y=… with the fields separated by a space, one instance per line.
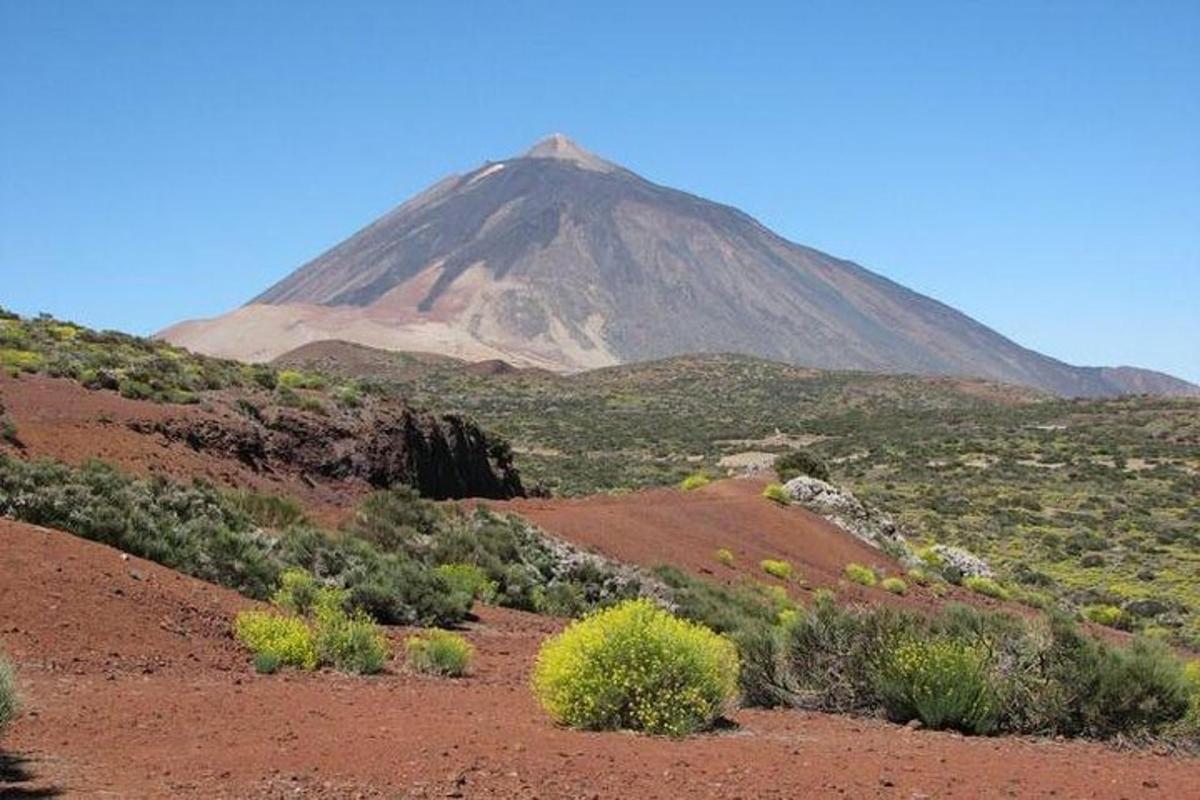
x=1036 y=165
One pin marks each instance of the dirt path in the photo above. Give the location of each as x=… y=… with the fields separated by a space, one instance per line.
x=134 y=689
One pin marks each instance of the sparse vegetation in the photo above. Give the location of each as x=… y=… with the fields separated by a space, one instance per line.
x=636 y=667
x=1029 y=483
x=317 y=632
x=439 y=652
x=694 y=481
x=971 y=670
x=470 y=580
x=287 y=639
x=778 y=569
x=136 y=367
x=941 y=681
x=985 y=586
x=859 y=574
x=800 y=462
x=9 y=704
x=776 y=494
x=725 y=556
x=894 y=585
x=1111 y=616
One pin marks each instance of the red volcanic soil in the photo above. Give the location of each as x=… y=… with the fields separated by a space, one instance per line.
x=133 y=688
x=60 y=419
x=685 y=529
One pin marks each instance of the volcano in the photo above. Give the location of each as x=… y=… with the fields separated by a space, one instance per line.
x=563 y=260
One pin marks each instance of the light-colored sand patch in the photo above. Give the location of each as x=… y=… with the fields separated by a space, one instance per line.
x=751 y=461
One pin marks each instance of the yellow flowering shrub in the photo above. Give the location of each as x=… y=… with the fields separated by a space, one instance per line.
x=776 y=494
x=439 y=653
x=942 y=682
x=636 y=667
x=985 y=586
x=351 y=643
x=862 y=575
x=778 y=569
x=894 y=585
x=287 y=638
x=694 y=481
x=725 y=556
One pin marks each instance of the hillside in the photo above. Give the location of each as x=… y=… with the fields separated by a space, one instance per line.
x=140 y=656
x=72 y=393
x=560 y=259
x=1086 y=502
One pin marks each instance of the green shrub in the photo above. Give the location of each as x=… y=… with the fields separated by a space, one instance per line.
x=725 y=556
x=985 y=586
x=825 y=659
x=694 y=481
x=192 y=529
x=294 y=379
x=286 y=638
x=861 y=575
x=268 y=510
x=776 y=494
x=8 y=430
x=391 y=587
x=266 y=663
x=469 y=579
x=396 y=519
x=636 y=667
x=778 y=569
x=8 y=693
x=439 y=653
x=800 y=462
x=894 y=585
x=723 y=609
x=941 y=681
x=919 y=576
x=1189 y=725
x=1105 y=690
x=1111 y=616
x=298 y=591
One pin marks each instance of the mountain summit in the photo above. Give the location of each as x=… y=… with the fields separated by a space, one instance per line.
x=561 y=259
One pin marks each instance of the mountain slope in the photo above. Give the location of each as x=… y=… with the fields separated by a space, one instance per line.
x=563 y=260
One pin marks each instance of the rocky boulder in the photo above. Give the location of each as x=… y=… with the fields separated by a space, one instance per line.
x=842 y=508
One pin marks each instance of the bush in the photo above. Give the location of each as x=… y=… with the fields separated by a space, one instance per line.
x=1105 y=690
x=391 y=587
x=861 y=575
x=636 y=667
x=894 y=585
x=985 y=586
x=349 y=643
x=268 y=510
x=192 y=529
x=694 y=481
x=288 y=639
x=778 y=569
x=776 y=494
x=266 y=663
x=800 y=462
x=723 y=609
x=439 y=653
x=725 y=556
x=1111 y=616
x=298 y=591
x=941 y=681
x=8 y=693
x=825 y=659
x=470 y=580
